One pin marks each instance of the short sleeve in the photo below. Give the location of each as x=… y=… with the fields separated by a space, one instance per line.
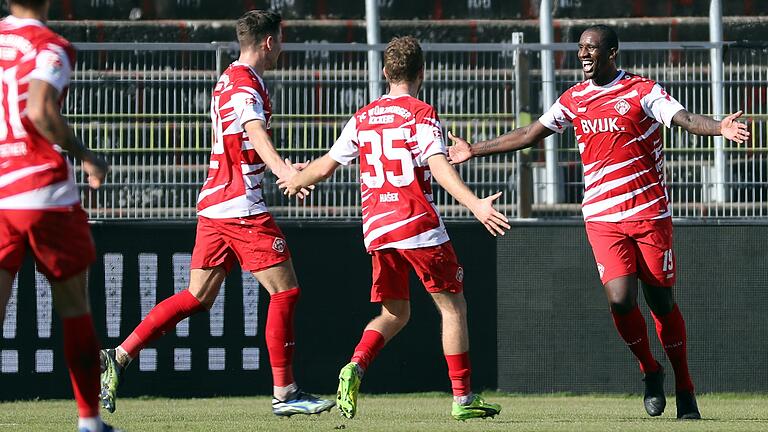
x=346 y=149
x=659 y=105
x=429 y=136
x=558 y=118
x=248 y=105
x=52 y=66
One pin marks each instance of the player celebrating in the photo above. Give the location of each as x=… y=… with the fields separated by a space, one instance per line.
x=616 y=116
x=401 y=144
x=234 y=223
x=39 y=201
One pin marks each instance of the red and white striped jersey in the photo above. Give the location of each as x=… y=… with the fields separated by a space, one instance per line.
x=233 y=187
x=394 y=137
x=33 y=172
x=617 y=131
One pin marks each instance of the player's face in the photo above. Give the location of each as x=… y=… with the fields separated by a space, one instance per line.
x=596 y=59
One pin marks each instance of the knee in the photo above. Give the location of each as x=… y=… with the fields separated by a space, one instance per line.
x=621 y=304
x=398 y=316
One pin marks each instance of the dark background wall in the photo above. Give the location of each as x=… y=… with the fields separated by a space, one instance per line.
x=555 y=330
x=539 y=321
x=335 y=275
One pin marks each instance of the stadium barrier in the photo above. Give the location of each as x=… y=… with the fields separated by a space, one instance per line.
x=146 y=106
x=223 y=352
x=539 y=321
x=555 y=330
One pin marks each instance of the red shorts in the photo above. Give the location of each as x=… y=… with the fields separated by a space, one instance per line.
x=60 y=240
x=436 y=266
x=638 y=247
x=255 y=242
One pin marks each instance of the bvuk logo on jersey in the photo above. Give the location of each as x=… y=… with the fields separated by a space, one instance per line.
x=622 y=107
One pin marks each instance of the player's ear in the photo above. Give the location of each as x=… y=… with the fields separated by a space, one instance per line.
x=269 y=42
x=386 y=74
x=613 y=53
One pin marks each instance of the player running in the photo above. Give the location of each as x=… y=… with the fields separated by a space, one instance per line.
x=39 y=201
x=617 y=117
x=234 y=223
x=399 y=141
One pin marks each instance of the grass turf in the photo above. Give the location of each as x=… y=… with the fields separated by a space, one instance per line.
x=407 y=412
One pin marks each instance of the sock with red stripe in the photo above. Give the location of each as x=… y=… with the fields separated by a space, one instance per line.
x=81 y=351
x=631 y=327
x=459 y=370
x=368 y=348
x=671 y=331
x=279 y=335
x=161 y=319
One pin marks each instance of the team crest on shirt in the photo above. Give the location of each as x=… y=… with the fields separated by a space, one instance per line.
x=600 y=269
x=460 y=274
x=622 y=107
x=279 y=245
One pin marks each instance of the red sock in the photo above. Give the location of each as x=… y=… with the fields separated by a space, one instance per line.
x=632 y=329
x=370 y=344
x=279 y=335
x=671 y=331
x=459 y=370
x=81 y=351
x=161 y=319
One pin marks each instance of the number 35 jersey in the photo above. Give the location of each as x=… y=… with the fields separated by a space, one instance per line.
x=394 y=137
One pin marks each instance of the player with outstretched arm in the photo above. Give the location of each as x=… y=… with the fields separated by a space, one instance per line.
x=617 y=117
x=399 y=141
x=234 y=223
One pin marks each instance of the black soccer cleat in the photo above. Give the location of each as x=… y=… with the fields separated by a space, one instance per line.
x=687 y=409
x=654 y=399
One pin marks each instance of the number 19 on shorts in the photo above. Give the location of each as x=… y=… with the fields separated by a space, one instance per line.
x=669 y=261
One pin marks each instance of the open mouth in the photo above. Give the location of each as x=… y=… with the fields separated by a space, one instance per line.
x=588 y=66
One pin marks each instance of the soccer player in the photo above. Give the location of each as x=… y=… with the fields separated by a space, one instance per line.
x=234 y=223
x=617 y=117
x=39 y=201
x=399 y=141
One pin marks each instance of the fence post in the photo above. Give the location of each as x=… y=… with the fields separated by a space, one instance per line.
x=522 y=118
x=373 y=37
x=716 y=65
x=548 y=98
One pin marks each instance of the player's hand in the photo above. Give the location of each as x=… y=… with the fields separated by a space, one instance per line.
x=96 y=168
x=733 y=130
x=287 y=181
x=460 y=151
x=494 y=222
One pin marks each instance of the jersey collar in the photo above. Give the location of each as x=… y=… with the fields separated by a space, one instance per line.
x=619 y=75
x=22 y=22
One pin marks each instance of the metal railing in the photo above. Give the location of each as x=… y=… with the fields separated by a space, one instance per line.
x=146 y=107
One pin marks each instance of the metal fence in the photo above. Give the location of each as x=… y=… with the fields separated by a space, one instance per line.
x=146 y=106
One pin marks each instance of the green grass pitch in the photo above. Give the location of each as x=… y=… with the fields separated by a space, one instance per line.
x=406 y=412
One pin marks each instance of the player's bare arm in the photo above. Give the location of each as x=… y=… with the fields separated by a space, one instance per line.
x=44 y=112
x=447 y=177
x=262 y=143
x=517 y=139
x=697 y=124
x=319 y=170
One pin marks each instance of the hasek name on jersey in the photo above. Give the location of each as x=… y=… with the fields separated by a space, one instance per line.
x=609 y=124
x=389 y=197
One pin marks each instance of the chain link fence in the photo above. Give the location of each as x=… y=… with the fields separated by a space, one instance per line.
x=146 y=107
